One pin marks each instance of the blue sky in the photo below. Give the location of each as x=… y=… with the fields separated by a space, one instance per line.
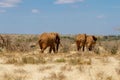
x=99 y=17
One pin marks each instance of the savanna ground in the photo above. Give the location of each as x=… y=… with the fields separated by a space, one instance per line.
x=21 y=59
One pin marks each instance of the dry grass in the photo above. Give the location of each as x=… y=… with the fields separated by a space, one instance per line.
x=55 y=76
x=60 y=60
x=23 y=61
x=96 y=67
x=15 y=76
x=66 y=68
x=80 y=61
x=43 y=68
x=81 y=68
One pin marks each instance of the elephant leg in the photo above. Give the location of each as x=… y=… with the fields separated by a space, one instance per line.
x=40 y=45
x=78 y=48
x=57 y=46
x=43 y=47
x=90 y=48
x=87 y=48
x=83 y=48
x=78 y=45
x=54 y=49
x=50 y=49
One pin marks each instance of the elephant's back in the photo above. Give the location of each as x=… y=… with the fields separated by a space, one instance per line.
x=81 y=37
x=90 y=39
x=43 y=37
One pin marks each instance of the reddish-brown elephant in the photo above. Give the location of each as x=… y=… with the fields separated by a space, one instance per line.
x=90 y=42
x=51 y=40
x=80 y=41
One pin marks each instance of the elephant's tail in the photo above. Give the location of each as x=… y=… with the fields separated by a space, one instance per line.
x=61 y=45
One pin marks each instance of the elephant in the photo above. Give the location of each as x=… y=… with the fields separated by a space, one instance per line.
x=51 y=39
x=80 y=41
x=90 y=42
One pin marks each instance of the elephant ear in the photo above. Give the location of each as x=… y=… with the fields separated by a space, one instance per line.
x=95 y=39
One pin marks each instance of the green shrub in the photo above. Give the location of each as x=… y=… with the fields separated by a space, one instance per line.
x=60 y=60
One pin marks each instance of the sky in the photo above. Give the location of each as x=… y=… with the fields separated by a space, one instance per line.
x=98 y=17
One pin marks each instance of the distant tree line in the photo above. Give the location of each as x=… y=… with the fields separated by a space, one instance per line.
x=109 y=38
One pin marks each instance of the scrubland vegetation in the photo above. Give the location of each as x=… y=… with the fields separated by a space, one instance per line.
x=20 y=59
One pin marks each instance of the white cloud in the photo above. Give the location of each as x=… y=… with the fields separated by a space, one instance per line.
x=2 y=11
x=67 y=1
x=100 y=16
x=35 y=11
x=9 y=3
